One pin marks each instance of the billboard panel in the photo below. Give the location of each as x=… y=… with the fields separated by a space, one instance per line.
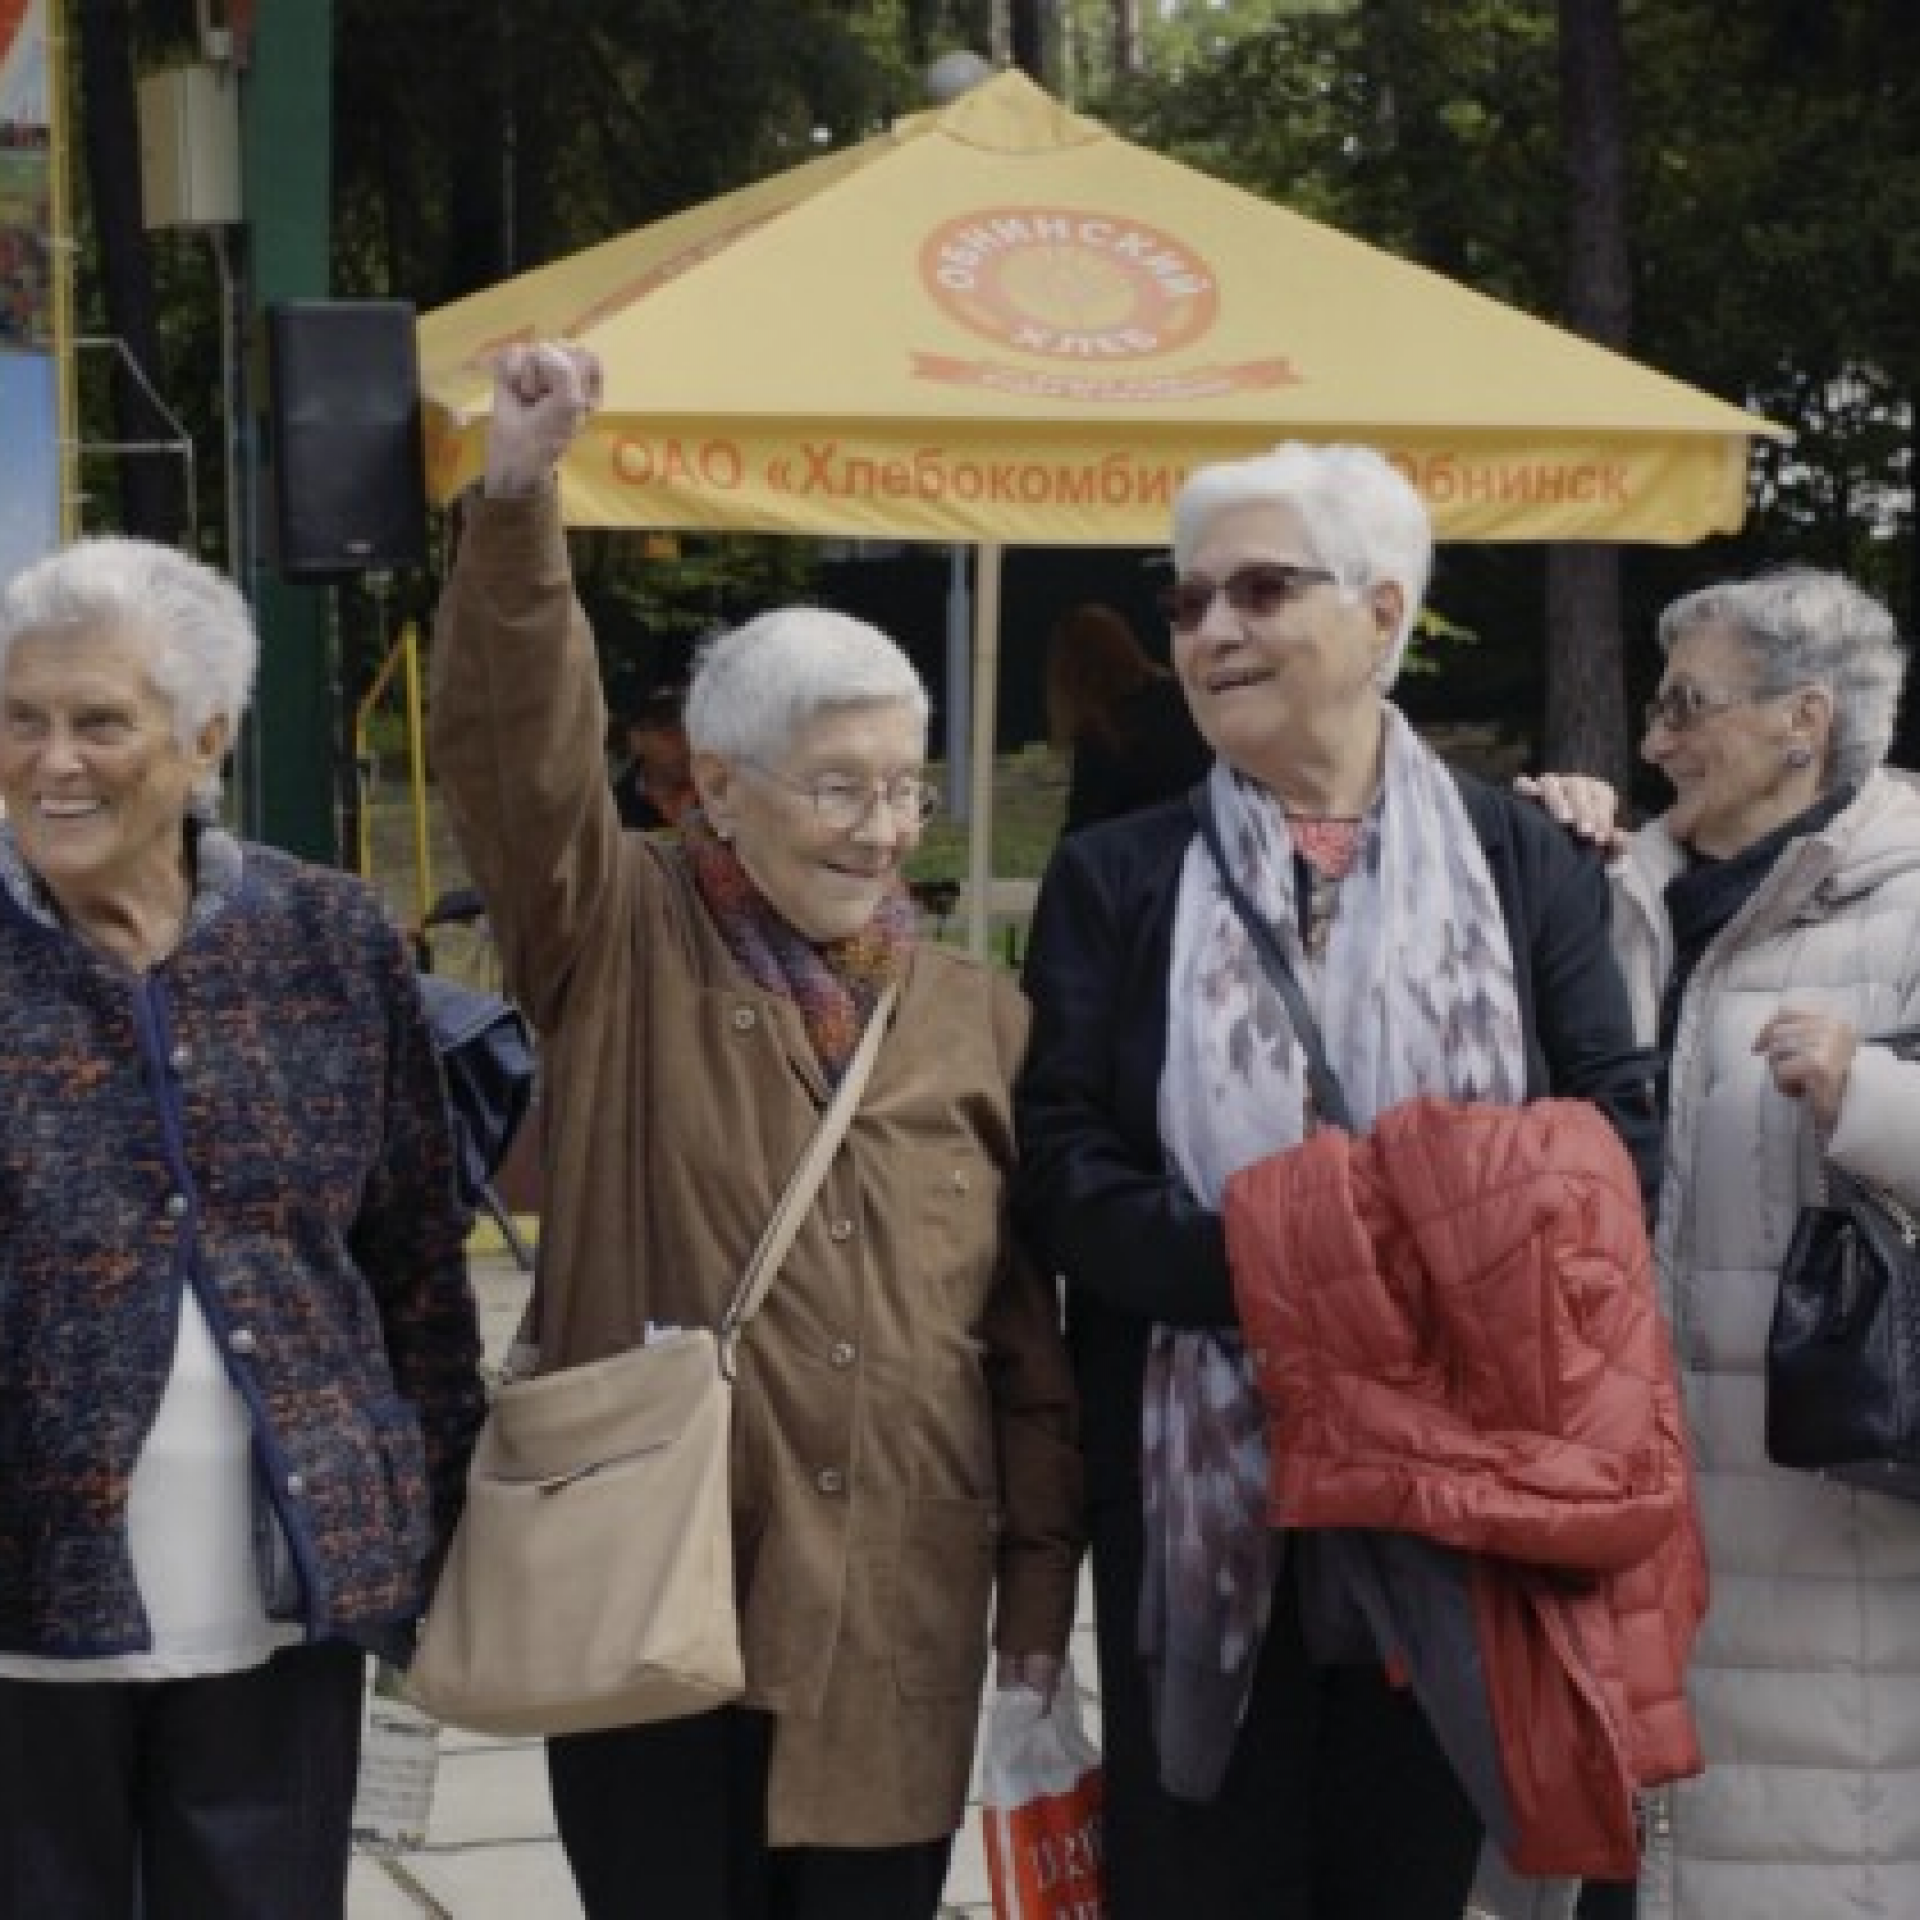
x=30 y=500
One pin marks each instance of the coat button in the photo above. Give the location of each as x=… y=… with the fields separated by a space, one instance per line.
x=241 y=1340
x=840 y=1230
x=745 y=1019
x=830 y=1480
x=296 y=1484
x=176 y=1207
x=843 y=1353
x=180 y=1059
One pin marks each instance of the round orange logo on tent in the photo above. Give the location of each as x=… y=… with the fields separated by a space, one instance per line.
x=1069 y=284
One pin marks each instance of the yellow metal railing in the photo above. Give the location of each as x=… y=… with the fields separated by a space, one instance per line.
x=403 y=658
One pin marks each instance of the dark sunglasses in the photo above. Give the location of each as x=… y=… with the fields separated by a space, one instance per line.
x=1259 y=591
x=1683 y=706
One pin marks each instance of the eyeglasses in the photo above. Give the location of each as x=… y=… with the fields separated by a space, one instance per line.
x=1259 y=591
x=1681 y=707
x=842 y=802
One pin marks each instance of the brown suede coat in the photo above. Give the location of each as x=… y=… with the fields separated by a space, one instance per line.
x=905 y=1457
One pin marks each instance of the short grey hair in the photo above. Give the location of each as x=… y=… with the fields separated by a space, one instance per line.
x=1801 y=627
x=1363 y=519
x=201 y=641
x=757 y=687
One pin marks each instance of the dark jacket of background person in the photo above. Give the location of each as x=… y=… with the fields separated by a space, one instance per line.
x=261 y=1119
x=654 y=786
x=1121 y=716
x=1096 y=1192
x=903 y=1460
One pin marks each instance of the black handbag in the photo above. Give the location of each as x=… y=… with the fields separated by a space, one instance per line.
x=1843 y=1352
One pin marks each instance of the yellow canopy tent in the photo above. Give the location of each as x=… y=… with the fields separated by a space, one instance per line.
x=999 y=322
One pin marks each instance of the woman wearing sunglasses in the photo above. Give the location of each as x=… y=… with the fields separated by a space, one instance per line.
x=1769 y=926
x=1451 y=942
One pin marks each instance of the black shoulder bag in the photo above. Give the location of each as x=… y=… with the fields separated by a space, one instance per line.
x=1843 y=1353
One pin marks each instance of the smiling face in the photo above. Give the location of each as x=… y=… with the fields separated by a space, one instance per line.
x=1749 y=761
x=1271 y=691
x=826 y=880
x=94 y=777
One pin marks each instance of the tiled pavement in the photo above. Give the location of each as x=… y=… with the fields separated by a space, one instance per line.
x=490 y=1851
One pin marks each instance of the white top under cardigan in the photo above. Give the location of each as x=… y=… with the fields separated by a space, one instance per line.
x=190 y=1531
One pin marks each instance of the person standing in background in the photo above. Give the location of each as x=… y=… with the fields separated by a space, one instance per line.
x=654 y=789
x=1120 y=716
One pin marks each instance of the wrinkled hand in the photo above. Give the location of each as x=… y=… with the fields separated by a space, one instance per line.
x=542 y=395
x=1585 y=806
x=1809 y=1055
x=1040 y=1671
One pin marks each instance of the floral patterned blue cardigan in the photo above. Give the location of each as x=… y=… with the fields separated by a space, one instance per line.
x=261 y=1119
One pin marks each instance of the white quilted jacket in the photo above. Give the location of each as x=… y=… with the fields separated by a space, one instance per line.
x=1806 y=1680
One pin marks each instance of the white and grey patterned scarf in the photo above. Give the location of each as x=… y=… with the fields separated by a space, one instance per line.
x=1415 y=995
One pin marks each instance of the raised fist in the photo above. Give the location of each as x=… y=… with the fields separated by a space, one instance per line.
x=542 y=395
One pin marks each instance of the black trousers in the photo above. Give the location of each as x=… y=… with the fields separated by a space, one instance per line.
x=227 y=1798
x=668 y=1822
x=1338 y=1803
x=1608 y=1900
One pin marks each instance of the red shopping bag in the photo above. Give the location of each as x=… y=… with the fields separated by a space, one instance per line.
x=1040 y=1791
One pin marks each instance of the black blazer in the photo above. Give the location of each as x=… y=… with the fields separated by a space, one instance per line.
x=1094 y=1193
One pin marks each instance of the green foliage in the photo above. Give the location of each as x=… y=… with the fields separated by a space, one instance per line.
x=1774 y=156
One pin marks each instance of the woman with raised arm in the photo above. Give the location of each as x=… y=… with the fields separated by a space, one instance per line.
x=904 y=1459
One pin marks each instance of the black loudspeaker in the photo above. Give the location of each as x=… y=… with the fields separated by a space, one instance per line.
x=349 y=470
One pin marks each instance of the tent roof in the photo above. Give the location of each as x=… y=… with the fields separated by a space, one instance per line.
x=999 y=320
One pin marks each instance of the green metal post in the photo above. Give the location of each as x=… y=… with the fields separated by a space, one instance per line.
x=288 y=773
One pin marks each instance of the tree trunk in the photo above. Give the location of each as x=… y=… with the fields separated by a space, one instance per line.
x=1906 y=736
x=1586 y=716
x=1030 y=26
x=1126 y=37
x=153 y=486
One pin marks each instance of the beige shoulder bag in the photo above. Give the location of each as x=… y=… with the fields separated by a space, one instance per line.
x=590 y=1580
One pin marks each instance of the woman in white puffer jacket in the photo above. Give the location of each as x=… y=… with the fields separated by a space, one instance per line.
x=1769 y=927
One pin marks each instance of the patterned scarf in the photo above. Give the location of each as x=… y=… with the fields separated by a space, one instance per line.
x=834 y=984
x=1233 y=1092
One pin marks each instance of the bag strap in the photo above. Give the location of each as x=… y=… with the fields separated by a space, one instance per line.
x=1329 y=1097
x=804 y=1182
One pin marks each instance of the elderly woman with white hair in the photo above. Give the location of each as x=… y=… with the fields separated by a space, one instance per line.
x=1449 y=944
x=239 y=1375
x=904 y=1463
x=1768 y=922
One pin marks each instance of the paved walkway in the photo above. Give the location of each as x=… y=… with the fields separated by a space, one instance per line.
x=490 y=1851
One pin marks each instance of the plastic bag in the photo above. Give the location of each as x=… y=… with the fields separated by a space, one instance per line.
x=1040 y=1792
x=399 y=1762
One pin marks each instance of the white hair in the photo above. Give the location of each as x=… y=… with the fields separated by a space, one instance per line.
x=201 y=645
x=755 y=688
x=1800 y=627
x=1361 y=516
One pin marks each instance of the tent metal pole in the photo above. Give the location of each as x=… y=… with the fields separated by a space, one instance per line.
x=959 y=723
x=986 y=684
